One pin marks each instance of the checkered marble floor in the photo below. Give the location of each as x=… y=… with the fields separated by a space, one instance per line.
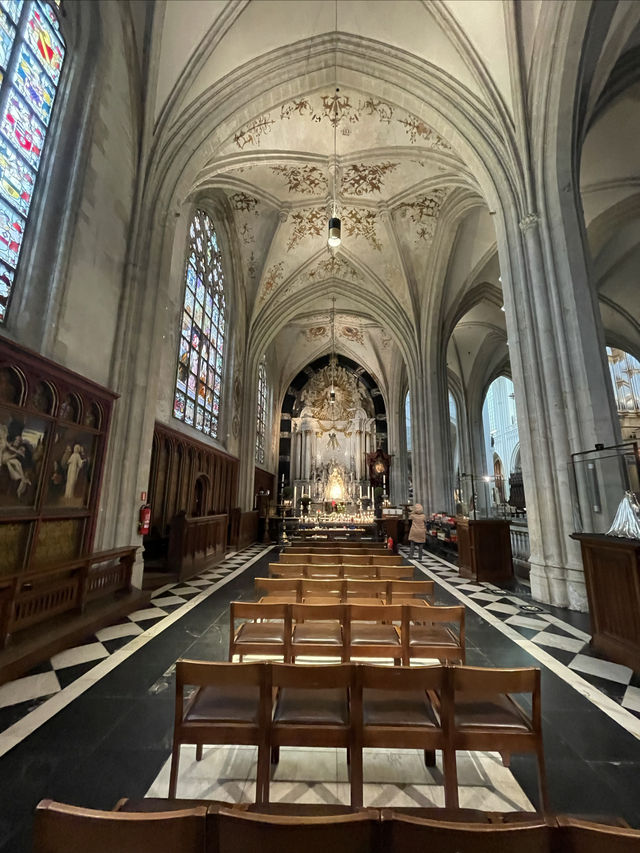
x=565 y=642
x=23 y=695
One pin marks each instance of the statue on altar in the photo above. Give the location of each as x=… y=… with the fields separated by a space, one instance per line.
x=335 y=490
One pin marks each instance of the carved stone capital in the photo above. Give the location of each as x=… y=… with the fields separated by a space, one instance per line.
x=531 y=220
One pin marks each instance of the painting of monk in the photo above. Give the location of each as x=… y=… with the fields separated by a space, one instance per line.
x=71 y=468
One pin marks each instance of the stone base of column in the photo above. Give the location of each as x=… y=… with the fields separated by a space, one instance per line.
x=559 y=586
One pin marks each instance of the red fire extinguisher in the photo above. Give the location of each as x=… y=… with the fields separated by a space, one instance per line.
x=144 y=520
x=390 y=544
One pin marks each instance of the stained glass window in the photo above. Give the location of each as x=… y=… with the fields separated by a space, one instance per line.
x=261 y=418
x=201 y=348
x=32 y=52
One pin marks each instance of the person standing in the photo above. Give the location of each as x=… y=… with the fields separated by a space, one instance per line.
x=418 y=531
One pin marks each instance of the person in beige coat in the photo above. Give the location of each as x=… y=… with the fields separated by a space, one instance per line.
x=418 y=531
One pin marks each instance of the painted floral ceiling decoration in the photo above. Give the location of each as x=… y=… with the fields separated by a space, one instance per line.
x=308 y=180
x=365 y=178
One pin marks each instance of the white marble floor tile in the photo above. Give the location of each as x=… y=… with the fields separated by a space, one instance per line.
x=570 y=629
x=113 y=632
x=161 y=590
x=484 y=596
x=631 y=699
x=602 y=669
x=556 y=641
x=79 y=654
x=471 y=587
x=27 y=688
x=168 y=599
x=147 y=613
x=499 y=607
x=195 y=583
x=526 y=622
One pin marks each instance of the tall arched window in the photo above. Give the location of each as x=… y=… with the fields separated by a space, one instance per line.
x=261 y=417
x=201 y=349
x=32 y=52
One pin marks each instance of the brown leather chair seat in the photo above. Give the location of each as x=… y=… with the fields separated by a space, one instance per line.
x=373 y=633
x=428 y=635
x=261 y=632
x=304 y=706
x=497 y=711
x=384 y=708
x=225 y=704
x=326 y=633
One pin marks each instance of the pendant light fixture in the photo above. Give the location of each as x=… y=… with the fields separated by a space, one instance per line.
x=332 y=360
x=335 y=228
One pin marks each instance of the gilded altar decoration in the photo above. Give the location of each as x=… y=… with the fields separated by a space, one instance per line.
x=317 y=394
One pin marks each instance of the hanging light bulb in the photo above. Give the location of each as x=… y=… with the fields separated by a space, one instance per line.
x=335 y=232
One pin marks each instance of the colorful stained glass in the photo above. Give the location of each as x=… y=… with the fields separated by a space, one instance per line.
x=179 y=405
x=34 y=85
x=12 y=8
x=261 y=413
x=11 y=231
x=16 y=178
x=201 y=335
x=51 y=15
x=21 y=128
x=7 y=35
x=45 y=43
x=6 y=283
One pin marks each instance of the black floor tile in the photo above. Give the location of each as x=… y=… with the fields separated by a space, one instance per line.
x=69 y=674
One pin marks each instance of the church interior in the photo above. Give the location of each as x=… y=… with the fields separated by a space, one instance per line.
x=276 y=276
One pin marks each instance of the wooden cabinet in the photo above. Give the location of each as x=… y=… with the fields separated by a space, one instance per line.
x=484 y=549
x=612 y=576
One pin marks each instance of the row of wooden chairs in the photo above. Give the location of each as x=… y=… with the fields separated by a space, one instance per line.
x=224 y=828
x=317 y=591
x=331 y=570
x=331 y=548
x=323 y=558
x=398 y=632
x=352 y=706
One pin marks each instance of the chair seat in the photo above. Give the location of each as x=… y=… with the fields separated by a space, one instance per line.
x=321 y=599
x=226 y=704
x=366 y=634
x=261 y=632
x=279 y=598
x=408 y=708
x=407 y=599
x=325 y=633
x=364 y=600
x=432 y=635
x=480 y=713
x=299 y=705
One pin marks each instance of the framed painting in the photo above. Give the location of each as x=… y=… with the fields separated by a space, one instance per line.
x=23 y=440
x=73 y=454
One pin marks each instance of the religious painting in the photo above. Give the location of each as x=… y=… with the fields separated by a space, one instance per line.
x=71 y=468
x=22 y=449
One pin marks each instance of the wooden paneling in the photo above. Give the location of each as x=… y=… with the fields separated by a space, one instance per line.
x=484 y=549
x=612 y=576
x=266 y=481
x=248 y=533
x=196 y=543
x=54 y=426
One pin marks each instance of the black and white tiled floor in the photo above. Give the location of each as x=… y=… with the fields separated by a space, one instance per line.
x=24 y=695
x=95 y=723
x=564 y=637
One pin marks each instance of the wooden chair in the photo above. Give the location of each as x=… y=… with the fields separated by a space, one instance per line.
x=341 y=833
x=59 y=828
x=410 y=592
x=359 y=572
x=486 y=717
x=231 y=705
x=314 y=571
x=312 y=709
x=370 y=632
x=433 y=632
x=584 y=836
x=269 y=636
x=278 y=590
x=393 y=573
x=392 y=708
x=407 y=834
x=286 y=570
x=366 y=591
x=317 y=631
x=323 y=591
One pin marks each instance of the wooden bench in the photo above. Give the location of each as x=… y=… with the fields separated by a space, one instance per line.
x=344 y=559
x=301 y=590
x=312 y=570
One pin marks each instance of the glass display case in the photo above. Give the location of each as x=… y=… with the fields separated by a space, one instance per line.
x=600 y=480
x=480 y=496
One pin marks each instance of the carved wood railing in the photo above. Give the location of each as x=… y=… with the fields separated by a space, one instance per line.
x=40 y=594
x=196 y=543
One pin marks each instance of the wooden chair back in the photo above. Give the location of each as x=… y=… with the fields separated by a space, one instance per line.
x=433 y=632
x=333 y=590
x=487 y=717
x=318 y=631
x=370 y=632
x=392 y=707
x=403 y=591
x=394 y=573
x=231 y=704
x=583 y=836
x=344 y=833
x=286 y=589
x=407 y=834
x=362 y=590
x=244 y=641
x=60 y=828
